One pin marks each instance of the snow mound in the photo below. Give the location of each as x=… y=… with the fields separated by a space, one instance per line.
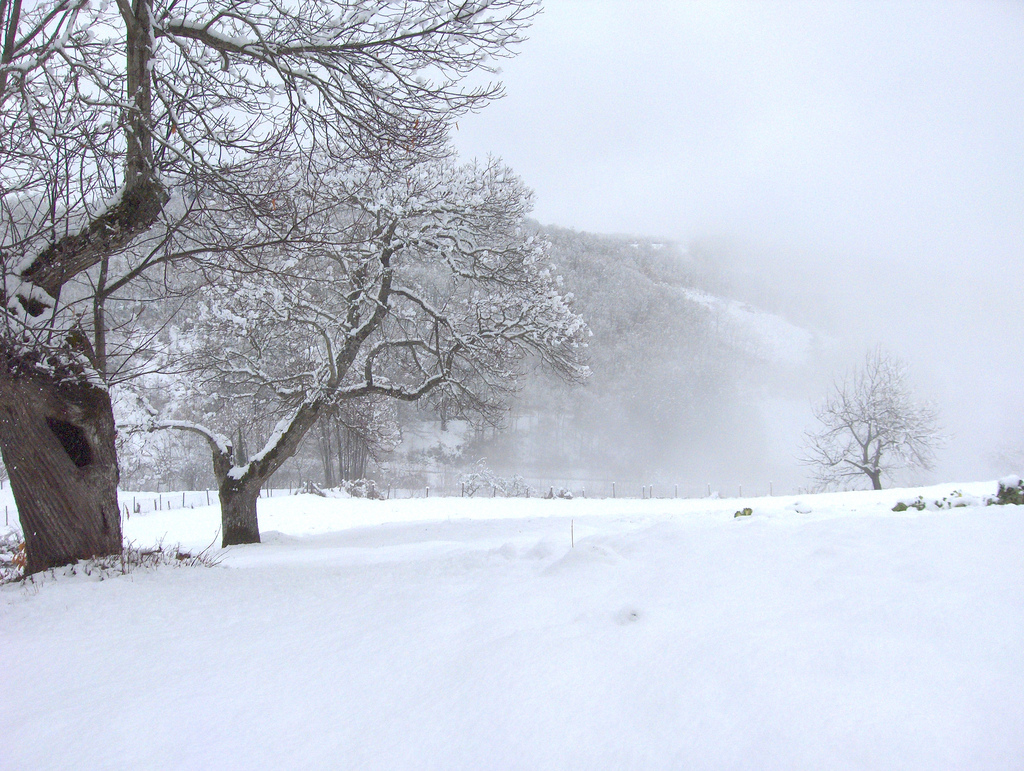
x=585 y=554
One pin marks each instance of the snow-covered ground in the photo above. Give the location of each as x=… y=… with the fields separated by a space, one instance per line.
x=821 y=632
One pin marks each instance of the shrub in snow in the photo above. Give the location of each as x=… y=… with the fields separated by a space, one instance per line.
x=362 y=488
x=743 y=513
x=475 y=481
x=12 y=556
x=918 y=503
x=482 y=479
x=514 y=487
x=130 y=559
x=955 y=500
x=561 y=492
x=1011 y=490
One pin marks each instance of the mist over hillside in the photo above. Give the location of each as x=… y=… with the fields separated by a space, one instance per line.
x=688 y=385
x=703 y=375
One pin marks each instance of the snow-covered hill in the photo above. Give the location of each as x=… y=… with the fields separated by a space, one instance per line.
x=760 y=333
x=820 y=632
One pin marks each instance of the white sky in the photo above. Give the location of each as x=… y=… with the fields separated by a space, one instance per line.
x=874 y=150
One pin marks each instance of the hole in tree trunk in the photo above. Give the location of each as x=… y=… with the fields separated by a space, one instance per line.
x=73 y=440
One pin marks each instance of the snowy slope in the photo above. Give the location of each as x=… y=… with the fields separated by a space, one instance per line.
x=766 y=335
x=821 y=632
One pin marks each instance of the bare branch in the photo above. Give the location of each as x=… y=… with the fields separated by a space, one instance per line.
x=871 y=427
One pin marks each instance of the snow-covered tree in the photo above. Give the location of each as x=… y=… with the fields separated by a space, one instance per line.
x=410 y=285
x=871 y=426
x=116 y=118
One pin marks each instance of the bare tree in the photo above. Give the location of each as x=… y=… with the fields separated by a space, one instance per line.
x=118 y=120
x=871 y=426
x=418 y=284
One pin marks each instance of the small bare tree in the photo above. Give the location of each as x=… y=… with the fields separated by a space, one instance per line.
x=871 y=426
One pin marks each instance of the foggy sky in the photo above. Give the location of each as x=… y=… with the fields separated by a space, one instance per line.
x=871 y=154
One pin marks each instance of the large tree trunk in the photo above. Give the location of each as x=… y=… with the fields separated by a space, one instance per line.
x=239 y=486
x=238 y=512
x=57 y=439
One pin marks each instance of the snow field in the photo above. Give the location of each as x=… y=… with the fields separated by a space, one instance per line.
x=821 y=632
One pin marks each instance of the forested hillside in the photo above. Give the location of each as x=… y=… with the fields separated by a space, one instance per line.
x=678 y=375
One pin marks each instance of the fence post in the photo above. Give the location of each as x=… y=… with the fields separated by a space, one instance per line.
x=709 y=489
x=613 y=489
x=675 y=491
x=463 y=494
x=741 y=491
x=428 y=491
x=769 y=489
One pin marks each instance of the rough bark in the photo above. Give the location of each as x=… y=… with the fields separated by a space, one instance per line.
x=57 y=427
x=238 y=512
x=57 y=439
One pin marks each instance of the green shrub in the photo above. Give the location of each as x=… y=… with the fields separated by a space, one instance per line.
x=1011 y=491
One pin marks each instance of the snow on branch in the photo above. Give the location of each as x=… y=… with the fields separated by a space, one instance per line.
x=410 y=284
x=871 y=427
x=218 y=442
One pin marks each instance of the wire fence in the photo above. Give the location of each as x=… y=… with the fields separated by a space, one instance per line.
x=149 y=502
x=579 y=487
x=442 y=483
